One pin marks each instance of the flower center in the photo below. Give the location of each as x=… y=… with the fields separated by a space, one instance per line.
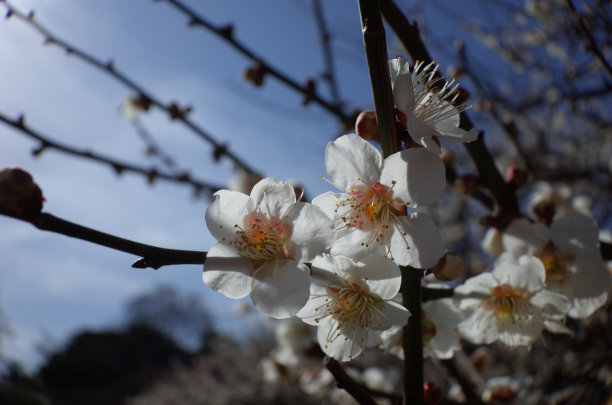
x=555 y=262
x=508 y=303
x=353 y=305
x=433 y=101
x=260 y=237
x=371 y=207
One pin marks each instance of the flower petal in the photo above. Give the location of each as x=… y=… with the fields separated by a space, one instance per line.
x=383 y=276
x=522 y=237
x=227 y=210
x=312 y=231
x=272 y=196
x=342 y=345
x=392 y=314
x=401 y=83
x=419 y=176
x=283 y=293
x=421 y=246
x=227 y=272
x=575 y=232
x=350 y=160
x=526 y=272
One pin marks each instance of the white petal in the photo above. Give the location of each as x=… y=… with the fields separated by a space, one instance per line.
x=479 y=287
x=328 y=202
x=272 y=196
x=228 y=209
x=355 y=244
x=551 y=303
x=521 y=332
x=526 y=272
x=575 y=232
x=522 y=237
x=340 y=346
x=382 y=275
x=350 y=160
x=458 y=134
x=401 y=82
x=421 y=133
x=392 y=314
x=421 y=246
x=584 y=307
x=312 y=231
x=314 y=310
x=285 y=292
x=480 y=327
x=419 y=176
x=227 y=272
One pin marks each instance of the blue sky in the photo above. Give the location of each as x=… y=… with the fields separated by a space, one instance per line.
x=52 y=286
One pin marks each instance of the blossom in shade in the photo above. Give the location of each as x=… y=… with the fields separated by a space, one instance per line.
x=263 y=241
x=569 y=251
x=510 y=304
x=349 y=299
x=377 y=212
x=429 y=104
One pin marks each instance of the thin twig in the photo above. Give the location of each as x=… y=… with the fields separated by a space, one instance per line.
x=587 y=34
x=225 y=33
x=324 y=37
x=346 y=382
x=152 y=256
x=118 y=166
x=173 y=109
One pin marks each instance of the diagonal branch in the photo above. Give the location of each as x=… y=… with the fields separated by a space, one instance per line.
x=152 y=174
x=225 y=33
x=408 y=34
x=174 y=111
x=344 y=381
x=587 y=34
x=152 y=256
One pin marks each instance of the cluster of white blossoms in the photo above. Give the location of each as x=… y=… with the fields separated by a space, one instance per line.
x=335 y=263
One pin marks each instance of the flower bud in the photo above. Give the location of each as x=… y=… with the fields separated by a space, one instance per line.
x=492 y=242
x=255 y=74
x=366 y=126
x=433 y=393
x=544 y=211
x=18 y=192
x=516 y=177
x=449 y=267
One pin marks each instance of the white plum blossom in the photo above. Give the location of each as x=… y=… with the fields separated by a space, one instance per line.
x=377 y=211
x=510 y=304
x=428 y=104
x=263 y=241
x=350 y=299
x=569 y=251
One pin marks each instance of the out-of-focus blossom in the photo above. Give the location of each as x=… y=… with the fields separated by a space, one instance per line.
x=569 y=251
x=510 y=304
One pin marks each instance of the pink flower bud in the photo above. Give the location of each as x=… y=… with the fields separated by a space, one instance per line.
x=433 y=393
x=366 y=126
x=516 y=177
x=449 y=267
x=18 y=192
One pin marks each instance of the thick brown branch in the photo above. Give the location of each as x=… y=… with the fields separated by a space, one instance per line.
x=118 y=166
x=344 y=381
x=174 y=111
x=152 y=256
x=225 y=33
x=375 y=45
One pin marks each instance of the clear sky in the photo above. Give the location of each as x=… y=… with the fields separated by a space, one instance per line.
x=51 y=285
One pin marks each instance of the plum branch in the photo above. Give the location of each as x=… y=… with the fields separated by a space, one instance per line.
x=118 y=166
x=147 y=99
x=226 y=33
